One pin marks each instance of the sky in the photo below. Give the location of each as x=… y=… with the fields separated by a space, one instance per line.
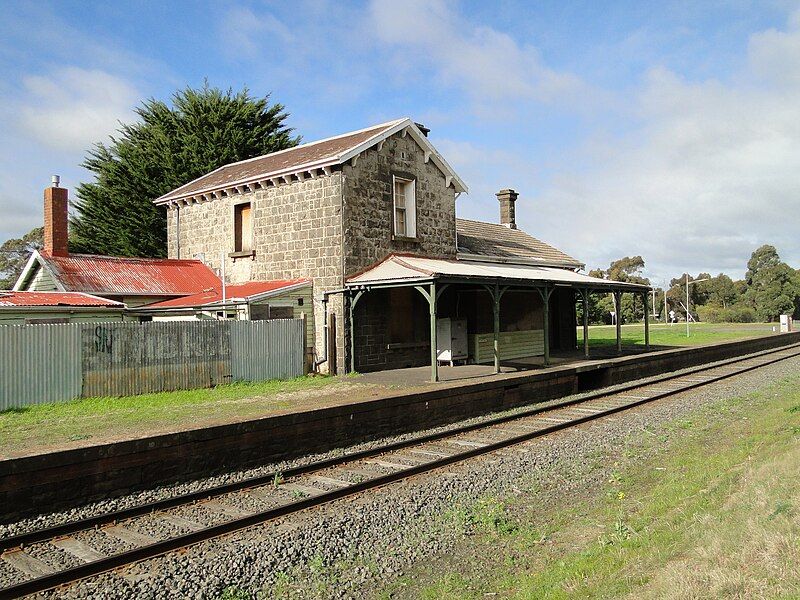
x=669 y=130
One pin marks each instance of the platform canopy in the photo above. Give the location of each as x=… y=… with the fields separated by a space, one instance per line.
x=398 y=269
x=431 y=276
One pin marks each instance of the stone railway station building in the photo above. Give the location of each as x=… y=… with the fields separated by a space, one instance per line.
x=397 y=280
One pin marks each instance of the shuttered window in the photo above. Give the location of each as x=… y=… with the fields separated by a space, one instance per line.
x=242 y=228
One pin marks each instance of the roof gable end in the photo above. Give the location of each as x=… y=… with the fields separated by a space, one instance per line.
x=312 y=156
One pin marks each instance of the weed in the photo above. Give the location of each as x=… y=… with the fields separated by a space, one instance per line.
x=781 y=508
x=233 y=592
x=277 y=479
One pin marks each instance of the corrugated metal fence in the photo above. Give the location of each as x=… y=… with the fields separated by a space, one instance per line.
x=50 y=363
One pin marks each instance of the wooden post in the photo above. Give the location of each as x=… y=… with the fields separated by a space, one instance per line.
x=646 y=322
x=618 y=311
x=332 y=343
x=585 y=297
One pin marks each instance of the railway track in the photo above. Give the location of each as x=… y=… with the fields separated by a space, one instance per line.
x=56 y=556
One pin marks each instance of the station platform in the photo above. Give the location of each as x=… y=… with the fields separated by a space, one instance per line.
x=58 y=480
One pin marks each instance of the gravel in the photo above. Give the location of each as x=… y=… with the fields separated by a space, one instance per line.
x=346 y=548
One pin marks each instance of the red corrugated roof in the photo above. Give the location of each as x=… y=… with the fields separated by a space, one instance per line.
x=240 y=291
x=54 y=299
x=117 y=276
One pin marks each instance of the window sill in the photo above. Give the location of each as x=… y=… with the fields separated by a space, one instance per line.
x=247 y=254
x=408 y=240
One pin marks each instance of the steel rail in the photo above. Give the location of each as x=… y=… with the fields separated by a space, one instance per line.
x=155 y=549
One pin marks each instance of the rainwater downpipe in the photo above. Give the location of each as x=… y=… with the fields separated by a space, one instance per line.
x=324 y=357
x=178 y=230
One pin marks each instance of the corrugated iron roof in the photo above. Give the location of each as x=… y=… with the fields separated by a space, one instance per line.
x=233 y=292
x=495 y=240
x=118 y=276
x=8 y=299
x=406 y=268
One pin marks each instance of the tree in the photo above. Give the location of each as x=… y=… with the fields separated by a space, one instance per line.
x=15 y=253
x=773 y=286
x=721 y=290
x=168 y=147
x=762 y=258
x=626 y=269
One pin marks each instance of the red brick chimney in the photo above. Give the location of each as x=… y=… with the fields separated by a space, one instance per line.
x=55 y=219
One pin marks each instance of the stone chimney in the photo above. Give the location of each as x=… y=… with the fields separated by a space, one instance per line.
x=55 y=220
x=507 y=199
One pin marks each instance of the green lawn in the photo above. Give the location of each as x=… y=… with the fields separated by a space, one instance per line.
x=675 y=335
x=714 y=512
x=94 y=420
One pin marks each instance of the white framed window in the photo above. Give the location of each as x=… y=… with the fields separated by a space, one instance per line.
x=405 y=207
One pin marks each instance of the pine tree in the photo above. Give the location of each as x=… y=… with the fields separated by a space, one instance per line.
x=15 y=253
x=169 y=146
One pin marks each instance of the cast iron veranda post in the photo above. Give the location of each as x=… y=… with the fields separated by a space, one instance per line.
x=646 y=321
x=351 y=311
x=585 y=297
x=496 y=298
x=434 y=342
x=546 y=305
x=618 y=315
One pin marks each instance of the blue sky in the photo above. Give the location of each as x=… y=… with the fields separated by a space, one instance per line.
x=666 y=129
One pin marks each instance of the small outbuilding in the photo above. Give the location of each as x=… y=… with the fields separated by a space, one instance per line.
x=24 y=308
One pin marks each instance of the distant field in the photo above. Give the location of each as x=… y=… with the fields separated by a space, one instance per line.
x=675 y=335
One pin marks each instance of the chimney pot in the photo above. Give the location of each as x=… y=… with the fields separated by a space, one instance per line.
x=425 y=130
x=55 y=179
x=56 y=215
x=507 y=199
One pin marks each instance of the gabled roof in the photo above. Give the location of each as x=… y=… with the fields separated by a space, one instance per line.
x=234 y=293
x=119 y=276
x=492 y=240
x=398 y=269
x=16 y=299
x=306 y=157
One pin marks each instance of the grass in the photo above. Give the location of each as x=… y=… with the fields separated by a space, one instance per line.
x=98 y=419
x=714 y=514
x=675 y=335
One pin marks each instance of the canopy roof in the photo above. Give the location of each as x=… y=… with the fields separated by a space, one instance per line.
x=398 y=269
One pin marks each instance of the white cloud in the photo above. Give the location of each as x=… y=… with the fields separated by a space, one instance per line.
x=711 y=174
x=73 y=108
x=244 y=32
x=706 y=172
x=491 y=66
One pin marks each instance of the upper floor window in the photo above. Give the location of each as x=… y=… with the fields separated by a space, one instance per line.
x=405 y=208
x=242 y=228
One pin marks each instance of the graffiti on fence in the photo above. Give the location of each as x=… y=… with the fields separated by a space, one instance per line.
x=103 y=339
